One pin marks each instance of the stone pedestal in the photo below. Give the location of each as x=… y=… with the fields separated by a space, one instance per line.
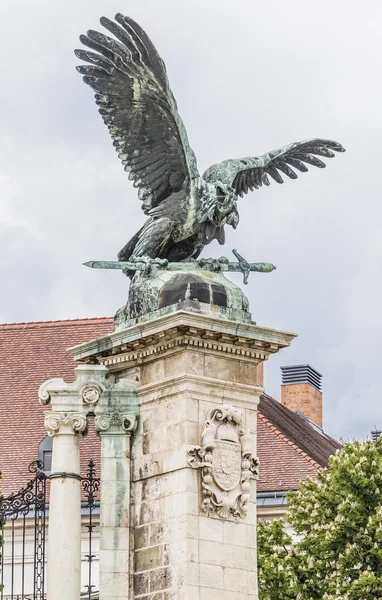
x=193 y=457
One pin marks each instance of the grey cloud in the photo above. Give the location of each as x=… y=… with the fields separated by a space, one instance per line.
x=248 y=77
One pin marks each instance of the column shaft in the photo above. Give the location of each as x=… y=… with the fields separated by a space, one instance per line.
x=115 y=507
x=64 y=554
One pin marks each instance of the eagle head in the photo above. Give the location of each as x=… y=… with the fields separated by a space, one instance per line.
x=226 y=206
x=219 y=204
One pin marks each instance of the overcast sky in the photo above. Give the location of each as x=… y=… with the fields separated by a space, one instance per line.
x=249 y=77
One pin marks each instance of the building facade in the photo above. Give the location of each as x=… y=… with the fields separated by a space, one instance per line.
x=291 y=446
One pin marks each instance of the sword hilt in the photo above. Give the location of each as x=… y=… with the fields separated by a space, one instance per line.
x=244 y=265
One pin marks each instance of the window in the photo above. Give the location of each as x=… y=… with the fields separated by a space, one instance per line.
x=45 y=454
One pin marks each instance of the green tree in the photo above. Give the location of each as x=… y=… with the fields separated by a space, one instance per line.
x=336 y=553
x=1 y=539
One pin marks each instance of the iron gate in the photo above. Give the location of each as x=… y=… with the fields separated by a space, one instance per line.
x=23 y=556
x=28 y=502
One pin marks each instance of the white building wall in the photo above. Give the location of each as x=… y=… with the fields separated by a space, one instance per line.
x=26 y=556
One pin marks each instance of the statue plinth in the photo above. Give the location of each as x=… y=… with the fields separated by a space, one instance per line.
x=195 y=290
x=159 y=287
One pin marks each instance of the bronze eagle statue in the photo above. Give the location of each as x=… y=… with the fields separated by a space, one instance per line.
x=185 y=211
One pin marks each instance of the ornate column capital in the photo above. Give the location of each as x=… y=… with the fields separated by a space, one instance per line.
x=83 y=393
x=55 y=422
x=115 y=422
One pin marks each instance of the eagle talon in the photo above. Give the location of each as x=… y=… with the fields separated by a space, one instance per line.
x=160 y=262
x=212 y=264
x=145 y=264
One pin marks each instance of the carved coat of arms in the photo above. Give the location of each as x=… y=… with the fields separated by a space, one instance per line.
x=227 y=463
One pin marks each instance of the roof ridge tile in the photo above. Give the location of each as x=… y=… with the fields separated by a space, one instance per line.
x=53 y=323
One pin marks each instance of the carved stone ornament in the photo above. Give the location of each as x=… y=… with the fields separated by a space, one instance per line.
x=55 y=420
x=227 y=463
x=127 y=422
x=91 y=393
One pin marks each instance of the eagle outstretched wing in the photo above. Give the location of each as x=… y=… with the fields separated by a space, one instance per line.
x=136 y=103
x=250 y=173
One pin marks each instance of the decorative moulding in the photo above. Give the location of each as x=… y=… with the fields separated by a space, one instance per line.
x=227 y=463
x=91 y=393
x=237 y=348
x=84 y=392
x=145 y=336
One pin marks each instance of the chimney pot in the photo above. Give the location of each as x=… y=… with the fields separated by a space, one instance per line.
x=375 y=435
x=301 y=391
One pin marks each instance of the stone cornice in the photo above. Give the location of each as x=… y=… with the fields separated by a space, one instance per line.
x=182 y=329
x=185 y=339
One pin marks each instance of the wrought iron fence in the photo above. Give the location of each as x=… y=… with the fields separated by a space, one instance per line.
x=23 y=521
x=27 y=502
x=90 y=486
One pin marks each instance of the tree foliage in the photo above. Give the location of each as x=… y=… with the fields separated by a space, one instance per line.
x=336 y=553
x=1 y=538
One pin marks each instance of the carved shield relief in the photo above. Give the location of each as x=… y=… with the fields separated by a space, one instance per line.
x=227 y=462
x=227 y=465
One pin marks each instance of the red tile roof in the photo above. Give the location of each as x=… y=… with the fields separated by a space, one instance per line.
x=288 y=447
x=311 y=440
x=282 y=464
x=30 y=353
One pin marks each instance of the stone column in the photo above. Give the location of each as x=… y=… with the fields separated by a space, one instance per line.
x=115 y=431
x=114 y=405
x=64 y=555
x=66 y=423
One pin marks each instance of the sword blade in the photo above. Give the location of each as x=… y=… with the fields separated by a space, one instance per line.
x=261 y=267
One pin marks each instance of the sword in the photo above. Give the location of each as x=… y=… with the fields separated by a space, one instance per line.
x=216 y=265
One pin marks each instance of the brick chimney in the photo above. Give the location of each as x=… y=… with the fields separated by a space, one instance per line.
x=301 y=391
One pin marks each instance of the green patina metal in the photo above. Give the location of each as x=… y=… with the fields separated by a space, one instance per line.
x=159 y=287
x=186 y=210
x=169 y=291
x=150 y=266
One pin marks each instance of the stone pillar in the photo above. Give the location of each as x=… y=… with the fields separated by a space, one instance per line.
x=64 y=556
x=195 y=539
x=114 y=405
x=66 y=423
x=115 y=431
x=193 y=458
